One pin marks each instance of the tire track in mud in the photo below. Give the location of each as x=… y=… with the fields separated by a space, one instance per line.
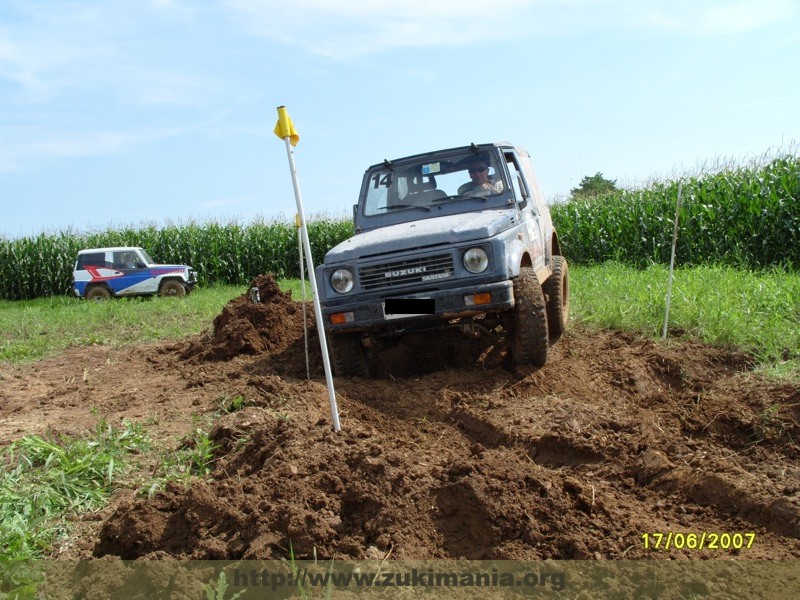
x=616 y=462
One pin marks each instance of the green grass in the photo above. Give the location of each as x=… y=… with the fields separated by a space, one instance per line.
x=758 y=312
x=44 y=480
x=32 y=329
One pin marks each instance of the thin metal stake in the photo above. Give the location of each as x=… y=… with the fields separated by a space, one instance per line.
x=672 y=262
x=297 y=224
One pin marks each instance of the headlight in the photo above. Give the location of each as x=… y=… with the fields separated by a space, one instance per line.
x=475 y=260
x=342 y=280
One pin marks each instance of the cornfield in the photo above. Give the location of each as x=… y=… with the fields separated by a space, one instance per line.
x=743 y=217
x=222 y=253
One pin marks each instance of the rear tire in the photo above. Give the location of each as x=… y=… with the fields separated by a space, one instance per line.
x=556 y=291
x=349 y=358
x=98 y=293
x=529 y=338
x=172 y=289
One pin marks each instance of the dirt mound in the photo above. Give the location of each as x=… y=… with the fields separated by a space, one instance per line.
x=257 y=323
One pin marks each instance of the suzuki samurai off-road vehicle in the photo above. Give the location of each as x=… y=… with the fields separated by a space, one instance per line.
x=454 y=238
x=101 y=273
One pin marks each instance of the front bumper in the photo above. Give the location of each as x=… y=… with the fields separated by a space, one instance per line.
x=448 y=304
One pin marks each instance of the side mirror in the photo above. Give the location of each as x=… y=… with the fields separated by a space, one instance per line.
x=355 y=212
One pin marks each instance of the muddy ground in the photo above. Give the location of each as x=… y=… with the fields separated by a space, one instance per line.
x=453 y=453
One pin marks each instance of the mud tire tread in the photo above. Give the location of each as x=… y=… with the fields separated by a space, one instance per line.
x=529 y=338
x=556 y=291
x=348 y=356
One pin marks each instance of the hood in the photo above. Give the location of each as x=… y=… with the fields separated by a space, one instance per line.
x=453 y=229
x=161 y=267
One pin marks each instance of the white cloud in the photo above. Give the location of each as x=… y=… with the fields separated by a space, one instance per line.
x=105 y=49
x=721 y=17
x=348 y=29
x=352 y=28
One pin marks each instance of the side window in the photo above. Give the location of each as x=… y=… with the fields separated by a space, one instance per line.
x=517 y=180
x=97 y=259
x=126 y=260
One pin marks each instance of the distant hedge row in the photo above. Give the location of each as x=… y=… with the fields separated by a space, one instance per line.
x=746 y=217
x=222 y=253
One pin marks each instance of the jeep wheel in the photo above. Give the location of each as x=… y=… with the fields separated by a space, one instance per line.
x=556 y=291
x=349 y=359
x=97 y=293
x=529 y=337
x=172 y=289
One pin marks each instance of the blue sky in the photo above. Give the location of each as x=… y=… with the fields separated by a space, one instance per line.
x=156 y=111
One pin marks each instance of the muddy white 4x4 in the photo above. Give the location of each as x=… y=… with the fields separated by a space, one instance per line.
x=453 y=238
x=105 y=272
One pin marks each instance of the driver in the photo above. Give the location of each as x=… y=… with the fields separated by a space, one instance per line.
x=481 y=182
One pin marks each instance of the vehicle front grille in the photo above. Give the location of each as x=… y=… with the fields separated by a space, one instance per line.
x=402 y=272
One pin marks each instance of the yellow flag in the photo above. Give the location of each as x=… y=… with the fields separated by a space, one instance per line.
x=285 y=128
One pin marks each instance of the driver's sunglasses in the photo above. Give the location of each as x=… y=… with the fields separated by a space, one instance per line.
x=474 y=170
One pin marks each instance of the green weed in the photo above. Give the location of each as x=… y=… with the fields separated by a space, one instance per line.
x=43 y=480
x=218 y=590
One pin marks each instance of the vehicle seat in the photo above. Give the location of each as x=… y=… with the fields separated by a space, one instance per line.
x=422 y=193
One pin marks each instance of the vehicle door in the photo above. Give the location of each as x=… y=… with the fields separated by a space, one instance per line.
x=530 y=218
x=136 y=277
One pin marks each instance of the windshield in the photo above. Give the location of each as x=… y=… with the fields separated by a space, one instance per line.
x=146 y=256
x=436 y=180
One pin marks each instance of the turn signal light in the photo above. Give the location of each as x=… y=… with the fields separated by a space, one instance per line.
x=340 y=318
x=477 y=299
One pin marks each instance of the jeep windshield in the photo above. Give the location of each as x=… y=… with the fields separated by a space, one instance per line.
x=431 y=181
x=147 y=260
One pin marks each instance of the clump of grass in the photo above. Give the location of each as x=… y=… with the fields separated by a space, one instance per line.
x=217 y=590
x=756 y=311
x=235 y=404
x=194 y=458
x=44 y=480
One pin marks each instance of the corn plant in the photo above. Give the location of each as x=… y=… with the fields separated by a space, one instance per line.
x=745 y=217
x=229 y=253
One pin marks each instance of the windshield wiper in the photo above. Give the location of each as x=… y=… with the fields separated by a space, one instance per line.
x=427 y=208
x=467 y=197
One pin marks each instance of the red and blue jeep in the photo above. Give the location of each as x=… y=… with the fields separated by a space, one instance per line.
x=125 y=271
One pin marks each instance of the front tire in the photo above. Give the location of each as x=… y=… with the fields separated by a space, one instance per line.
x=172 y=289
x=556 y=291
x=349 y=358
x=529 y=338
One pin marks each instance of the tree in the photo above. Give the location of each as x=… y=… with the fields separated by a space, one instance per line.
x=591 y=187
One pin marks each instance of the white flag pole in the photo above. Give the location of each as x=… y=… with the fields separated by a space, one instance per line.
x=285 y=129
x=672 y=262
x=303 y=285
